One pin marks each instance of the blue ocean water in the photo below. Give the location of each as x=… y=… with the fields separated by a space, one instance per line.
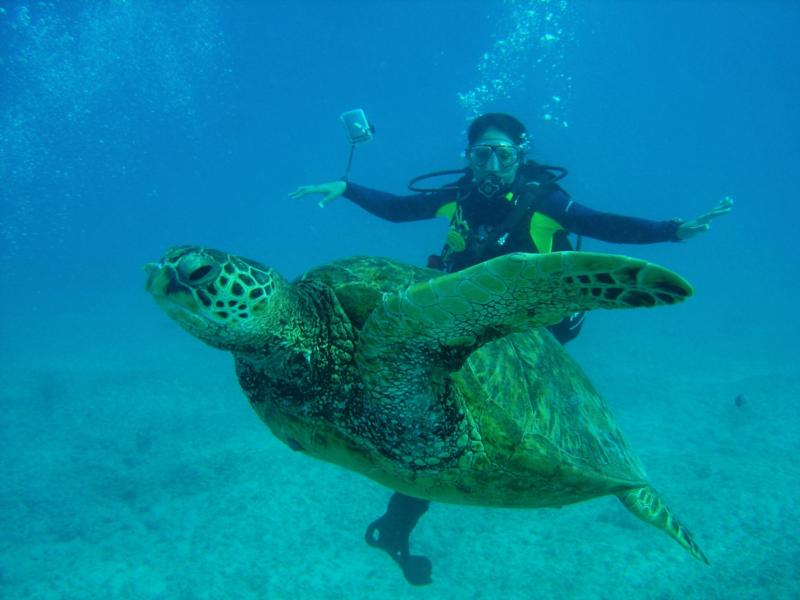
x=132 y=465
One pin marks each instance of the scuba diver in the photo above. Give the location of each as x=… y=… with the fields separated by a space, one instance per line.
x=502 y=203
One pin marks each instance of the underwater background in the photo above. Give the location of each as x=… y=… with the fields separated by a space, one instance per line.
x=131 y=465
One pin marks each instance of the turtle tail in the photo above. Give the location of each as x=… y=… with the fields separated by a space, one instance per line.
x=646 y=504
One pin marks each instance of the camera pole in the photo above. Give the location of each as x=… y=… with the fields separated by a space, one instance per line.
x=349 y=162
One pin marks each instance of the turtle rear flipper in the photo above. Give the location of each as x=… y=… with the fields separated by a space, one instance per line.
x=448 y=317
x=646 y=503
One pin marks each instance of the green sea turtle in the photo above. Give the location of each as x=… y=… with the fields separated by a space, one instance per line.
x=445 y=387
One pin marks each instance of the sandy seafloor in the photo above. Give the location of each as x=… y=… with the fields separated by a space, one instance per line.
x=134 y=468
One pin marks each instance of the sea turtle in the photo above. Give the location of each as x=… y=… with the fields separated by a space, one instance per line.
x=445 y=387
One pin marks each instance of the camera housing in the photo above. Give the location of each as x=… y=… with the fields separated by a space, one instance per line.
x=356 y=126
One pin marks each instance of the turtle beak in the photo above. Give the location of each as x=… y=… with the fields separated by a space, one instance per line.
x=162 y=283
x=174 y=298
x=157 y=281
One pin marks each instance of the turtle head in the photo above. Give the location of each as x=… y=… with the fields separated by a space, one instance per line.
x=227 y=301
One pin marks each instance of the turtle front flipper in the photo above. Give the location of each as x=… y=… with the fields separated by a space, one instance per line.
x=448 y=317
x=646 y=504
x=416 y=338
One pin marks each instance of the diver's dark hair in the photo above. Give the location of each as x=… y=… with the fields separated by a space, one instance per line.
x=509 y=125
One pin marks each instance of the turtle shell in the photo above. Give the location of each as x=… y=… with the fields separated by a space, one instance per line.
x=545 y=437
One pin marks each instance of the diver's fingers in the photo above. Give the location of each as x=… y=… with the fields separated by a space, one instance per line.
x=703 y=219
x=691 y=229
x=329 y=191
x=304 y=190
x=329 y=197
x=723 y=208
x=718 y=211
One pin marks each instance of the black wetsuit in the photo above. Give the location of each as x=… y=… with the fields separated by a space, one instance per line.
x=533 y=215
x=469 y=210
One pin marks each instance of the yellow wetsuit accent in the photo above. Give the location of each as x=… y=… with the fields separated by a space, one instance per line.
x=447 y=210
x=542 y=230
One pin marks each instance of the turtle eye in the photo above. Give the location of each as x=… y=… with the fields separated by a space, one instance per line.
x=197 y=270
x=199 y=273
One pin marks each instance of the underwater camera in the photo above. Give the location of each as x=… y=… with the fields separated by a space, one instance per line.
x=357 y=127
x=358 y=130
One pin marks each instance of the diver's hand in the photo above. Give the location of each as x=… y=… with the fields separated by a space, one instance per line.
x=703 y=222
x=330 y=191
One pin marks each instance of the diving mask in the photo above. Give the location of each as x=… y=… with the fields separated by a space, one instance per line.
x=507 y=156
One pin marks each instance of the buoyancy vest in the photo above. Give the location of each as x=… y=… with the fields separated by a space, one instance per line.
x=476 y=236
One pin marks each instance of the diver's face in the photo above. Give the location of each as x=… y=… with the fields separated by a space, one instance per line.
x=494 y=153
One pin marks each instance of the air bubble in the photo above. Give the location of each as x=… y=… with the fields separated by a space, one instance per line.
x=529 y=43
